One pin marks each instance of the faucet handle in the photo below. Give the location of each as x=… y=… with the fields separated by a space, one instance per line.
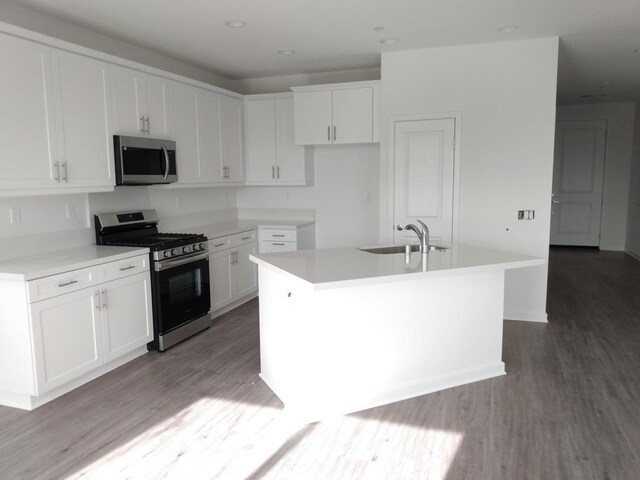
x=424 y=226
x=399 y=227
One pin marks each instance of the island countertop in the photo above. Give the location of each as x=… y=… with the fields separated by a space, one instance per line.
x=343 y=267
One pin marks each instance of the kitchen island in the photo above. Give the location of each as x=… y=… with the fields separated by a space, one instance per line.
x=343 y=330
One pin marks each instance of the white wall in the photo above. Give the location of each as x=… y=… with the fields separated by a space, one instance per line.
x=344 y=195
x=633 y=218
x=615 y=196
x=63 y=30
x=282 y=83
x=505 y=93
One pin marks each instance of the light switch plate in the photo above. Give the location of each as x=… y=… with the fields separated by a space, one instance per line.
x=526 y=214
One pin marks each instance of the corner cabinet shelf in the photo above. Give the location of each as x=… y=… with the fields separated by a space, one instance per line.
x=272 y=157
x=339 y=113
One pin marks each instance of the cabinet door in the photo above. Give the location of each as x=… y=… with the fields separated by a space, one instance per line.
x=220 y=279
x=245 y=276
x=209 y=149
x=291 y=159
x=312 y=113
x=353 y=115
x=156 y=107
x=128 y=101
x=83 y=120
x=231 y=137
x=261 y=140
x=184 y=115
x=127 y=320
x=27 y=145
x=67 y=338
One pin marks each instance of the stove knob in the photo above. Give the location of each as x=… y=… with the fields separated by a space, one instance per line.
x=202 y=246
x=167 y=254
x=174 y=251
x=185 y=249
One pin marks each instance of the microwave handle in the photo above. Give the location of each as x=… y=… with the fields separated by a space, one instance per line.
x=166 y=162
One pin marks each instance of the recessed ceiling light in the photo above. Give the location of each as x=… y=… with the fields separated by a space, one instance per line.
x=389 y=41
x=378 y=29
x=637 y=50
x=286 y=52
x=235 y=24
x=508 y=28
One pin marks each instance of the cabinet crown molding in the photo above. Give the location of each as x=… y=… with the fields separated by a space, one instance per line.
x=336 y=86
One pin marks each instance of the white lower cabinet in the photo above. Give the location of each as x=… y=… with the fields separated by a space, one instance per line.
x=232 y=275
x=62 y=339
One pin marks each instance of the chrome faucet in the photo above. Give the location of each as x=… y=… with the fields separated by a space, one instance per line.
x=423 y=235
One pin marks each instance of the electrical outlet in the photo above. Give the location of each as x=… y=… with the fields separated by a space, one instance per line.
x=177 y=201
x=16 y=215
x=526 y=214
x=71 y=211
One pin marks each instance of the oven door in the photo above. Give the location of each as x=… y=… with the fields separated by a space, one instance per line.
x=144 y=161
x=181 y=291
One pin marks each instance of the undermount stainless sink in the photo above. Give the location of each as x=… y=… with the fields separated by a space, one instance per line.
x=399 y=249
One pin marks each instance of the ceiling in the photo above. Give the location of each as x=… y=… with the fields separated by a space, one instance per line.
x=598 y=37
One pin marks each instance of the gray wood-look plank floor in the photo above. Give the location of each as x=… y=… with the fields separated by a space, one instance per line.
x=568 y=408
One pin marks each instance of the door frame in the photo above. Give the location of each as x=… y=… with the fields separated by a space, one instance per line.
x=387 y=214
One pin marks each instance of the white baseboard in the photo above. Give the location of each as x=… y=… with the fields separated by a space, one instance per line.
x=526 y=317
x=633 y=254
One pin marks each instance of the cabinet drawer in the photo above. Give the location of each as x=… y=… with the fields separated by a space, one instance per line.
x=123 y=268
x=279 y=235
x=217 y=244
x=55 y=285
x=243 y=238
x=268 y=246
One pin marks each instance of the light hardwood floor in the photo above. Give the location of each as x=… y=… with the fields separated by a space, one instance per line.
x=568 y=408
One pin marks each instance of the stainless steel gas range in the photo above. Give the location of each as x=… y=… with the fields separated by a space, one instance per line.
x=179 y=272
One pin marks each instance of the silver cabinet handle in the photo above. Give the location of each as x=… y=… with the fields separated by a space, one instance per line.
x=123 y=269
x=334 y=133
x=98 y=301
x=65 y=176
x=273 y=171
x=166 y=162
x=105 y=299
x=278 y=171
x=278 y=244
x=234 y=258
x=66 y=284
x=277 y=235
x=57 y=172
x=219 y=244
x=245 y=238
x=329 y=133
x=148 y=124
x=142 y=124
x=228 y=172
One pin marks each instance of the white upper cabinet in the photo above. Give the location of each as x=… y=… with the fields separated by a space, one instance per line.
x=209 y=135
x=272 y=157
x=27 y=146
x=139 y=104
x=83 y=120
x=336 y=114
x=231 y=141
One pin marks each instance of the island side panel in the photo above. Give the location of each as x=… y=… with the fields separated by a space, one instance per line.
x=341 y=350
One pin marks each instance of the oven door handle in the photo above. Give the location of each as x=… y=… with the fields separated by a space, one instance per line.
x=166 y=264
x=166 y=162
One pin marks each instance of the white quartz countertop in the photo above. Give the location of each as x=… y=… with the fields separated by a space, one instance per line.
x=220 y=229
x=52 y=263
x=338 y=267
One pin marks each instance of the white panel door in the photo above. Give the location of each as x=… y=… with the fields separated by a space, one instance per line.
x=220 y=279
x=67 y=339
x=83 y=120
x=578 y=170
x=353 y=115
x=209 y=148
x=156 y=107
x=129 y=101
x=245 y=274
x=184 y=115
x=27 y=140
x=424 y=173
x=291 y=157
x=127 y=319
x=313 y=118
x=231 y=137
x=261 y=140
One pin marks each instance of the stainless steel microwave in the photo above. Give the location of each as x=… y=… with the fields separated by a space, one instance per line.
x=144 y=161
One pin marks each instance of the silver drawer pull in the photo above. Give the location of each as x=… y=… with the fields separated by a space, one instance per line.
x=66 y=284
x=274 y=235
x=122 y=269
x=220 y=244
x=279 y=244
x=245 y=238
